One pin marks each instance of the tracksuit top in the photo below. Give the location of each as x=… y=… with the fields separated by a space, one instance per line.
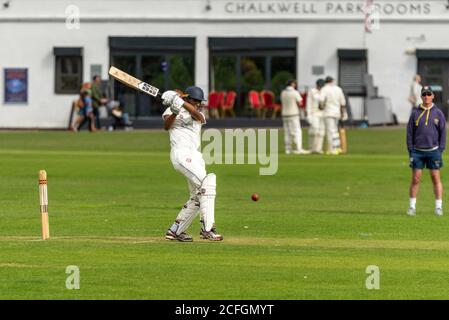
x=426 y=129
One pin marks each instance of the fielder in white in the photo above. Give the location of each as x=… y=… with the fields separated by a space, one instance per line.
x=183 y=119
x=415 y=92
x=291 y=101
x=315 y=117
x=333 y=101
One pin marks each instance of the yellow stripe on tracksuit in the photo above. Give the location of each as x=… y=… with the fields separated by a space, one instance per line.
x=421 y=115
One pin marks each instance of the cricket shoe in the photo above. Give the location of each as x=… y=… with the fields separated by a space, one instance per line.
x=183 y=237
x=211 y=235
x=411 y=212
x=439 y=212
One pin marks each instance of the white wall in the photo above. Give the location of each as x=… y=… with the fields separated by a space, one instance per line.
x=392 y=68
x=30 y=30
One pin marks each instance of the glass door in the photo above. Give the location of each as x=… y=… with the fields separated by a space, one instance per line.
x=253 y=74
x=180 y=71
x=122 y=93
x=282 y=70
x=153 y=71
x=223 y=73
x=435 y=73
x=164 y=71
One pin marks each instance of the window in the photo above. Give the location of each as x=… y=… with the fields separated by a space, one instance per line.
x=352 y=71
x=245 y=64
x=68 y=70
x=164 y=62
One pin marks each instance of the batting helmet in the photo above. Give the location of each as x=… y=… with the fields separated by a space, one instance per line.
x=195 y=93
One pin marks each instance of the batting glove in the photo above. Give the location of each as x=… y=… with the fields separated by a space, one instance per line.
x=168 y=96
x=176 y=104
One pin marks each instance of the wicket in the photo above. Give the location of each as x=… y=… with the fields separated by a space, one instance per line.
x=43 y=197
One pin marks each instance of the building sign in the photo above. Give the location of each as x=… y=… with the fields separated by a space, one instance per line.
x=327 y=8
x=16 y=85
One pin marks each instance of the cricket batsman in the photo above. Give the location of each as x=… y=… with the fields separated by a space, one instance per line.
x=183 y=120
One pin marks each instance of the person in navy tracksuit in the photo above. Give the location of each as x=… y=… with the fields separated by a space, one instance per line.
x=426 y=141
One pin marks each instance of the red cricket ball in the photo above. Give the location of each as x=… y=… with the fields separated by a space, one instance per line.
x=255 y=197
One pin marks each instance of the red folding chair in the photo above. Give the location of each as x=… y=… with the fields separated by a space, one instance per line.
x=221 y=99
x=228 y=104
x=269 y=104
x=254 y=101
x=213 y=104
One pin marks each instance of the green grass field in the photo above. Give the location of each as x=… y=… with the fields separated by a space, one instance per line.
x=319 y=223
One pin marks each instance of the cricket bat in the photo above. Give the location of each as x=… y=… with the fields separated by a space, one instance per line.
x=343 y=141
x=134 y=83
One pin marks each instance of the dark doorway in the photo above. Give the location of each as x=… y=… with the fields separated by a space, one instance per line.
x=435 y=73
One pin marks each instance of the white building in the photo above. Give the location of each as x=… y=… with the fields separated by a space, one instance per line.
x=217 y=44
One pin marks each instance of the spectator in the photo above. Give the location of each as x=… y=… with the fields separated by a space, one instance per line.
x=85 y=109
x=97 y=99
x=333 y=103
x=415 y=92
x=315 y=118
x=119 y=116
x=426 y=141
x=291 y=102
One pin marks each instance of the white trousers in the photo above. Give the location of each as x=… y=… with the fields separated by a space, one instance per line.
x=333 y=138
x=292 y=133
x=190 y=163
x=317 y=131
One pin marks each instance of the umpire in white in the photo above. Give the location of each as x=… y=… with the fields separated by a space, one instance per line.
x=291 y=101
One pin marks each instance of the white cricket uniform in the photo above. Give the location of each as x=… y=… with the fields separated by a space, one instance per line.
x=290 y=98
x=332 y=98
x=315 y=117
x=185 y=142
x=415 y=94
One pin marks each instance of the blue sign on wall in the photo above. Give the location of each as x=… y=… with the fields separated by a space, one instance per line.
x=16 y=85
